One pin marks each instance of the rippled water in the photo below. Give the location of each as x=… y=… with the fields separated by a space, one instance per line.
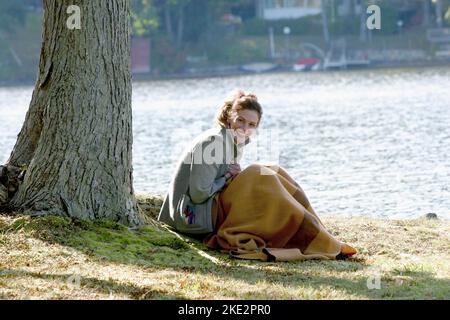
x=372 y=143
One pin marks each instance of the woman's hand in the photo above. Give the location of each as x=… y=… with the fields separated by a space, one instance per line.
x=233 y=170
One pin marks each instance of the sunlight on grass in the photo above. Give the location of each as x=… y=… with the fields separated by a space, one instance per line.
x=60 y=258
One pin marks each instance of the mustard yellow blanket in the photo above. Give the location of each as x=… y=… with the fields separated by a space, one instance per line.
x=260 y=215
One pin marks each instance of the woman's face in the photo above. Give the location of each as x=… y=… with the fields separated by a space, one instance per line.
x=243 y=123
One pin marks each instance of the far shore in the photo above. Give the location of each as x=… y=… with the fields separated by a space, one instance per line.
x=282 y=69
x=151 y=203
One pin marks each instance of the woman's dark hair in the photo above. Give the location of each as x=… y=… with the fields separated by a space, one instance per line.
x=239 y=100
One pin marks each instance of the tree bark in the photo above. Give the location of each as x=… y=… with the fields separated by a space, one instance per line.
x=438 y=8
x=76 y=140
x=168 y=22
x=326 y=34
x=180 y=26
x=362 y=21
x=426 y=13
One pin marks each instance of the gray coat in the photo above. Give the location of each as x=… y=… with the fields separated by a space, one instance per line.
x=199 y=175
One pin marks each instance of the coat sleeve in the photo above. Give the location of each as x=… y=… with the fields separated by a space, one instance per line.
x=203 y=180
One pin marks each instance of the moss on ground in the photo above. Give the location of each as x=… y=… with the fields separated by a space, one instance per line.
x=56 y=257
x=107 y=240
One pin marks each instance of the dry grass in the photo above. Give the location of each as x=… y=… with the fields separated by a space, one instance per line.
x=60 y=258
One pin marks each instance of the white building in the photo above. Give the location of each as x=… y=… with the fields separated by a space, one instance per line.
x=287 y=9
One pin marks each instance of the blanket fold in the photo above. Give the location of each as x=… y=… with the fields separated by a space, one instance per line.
x=262 y=214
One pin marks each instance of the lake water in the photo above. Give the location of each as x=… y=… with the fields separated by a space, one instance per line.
x=360 y=143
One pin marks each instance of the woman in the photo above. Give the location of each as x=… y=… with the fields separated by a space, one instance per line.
x=256 y=213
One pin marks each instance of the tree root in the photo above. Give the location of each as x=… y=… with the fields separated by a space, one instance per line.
x=10 y=179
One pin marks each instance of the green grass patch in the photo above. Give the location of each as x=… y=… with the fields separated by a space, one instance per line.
x=41 y=257
x=108 y=240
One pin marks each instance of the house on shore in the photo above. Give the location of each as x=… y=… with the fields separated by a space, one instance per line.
x=286 y=9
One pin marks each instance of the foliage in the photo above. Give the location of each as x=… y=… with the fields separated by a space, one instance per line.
x=202 y=32
x=447 y=16
x=197 y=20
x=165 y=57
x=389 y=17
x=144 y=17
x=237 y=51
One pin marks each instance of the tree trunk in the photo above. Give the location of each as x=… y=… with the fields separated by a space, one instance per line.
x=77 y=136
x=180 y=26
x=438 y=8
x=168 y=22
x=426 y=13
x=326 y=34
x=363 y=22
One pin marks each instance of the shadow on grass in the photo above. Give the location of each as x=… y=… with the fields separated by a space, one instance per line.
x=108 y=287
x=353 y=276
x=158 y=248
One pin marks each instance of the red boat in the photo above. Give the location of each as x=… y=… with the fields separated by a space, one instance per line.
x=307 y=64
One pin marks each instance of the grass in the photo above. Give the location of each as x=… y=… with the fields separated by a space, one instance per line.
x=60 y=258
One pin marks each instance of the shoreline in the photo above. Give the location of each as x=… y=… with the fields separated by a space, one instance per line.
x=379 y=66
x=151 y=203
x=236 y=73
x=288 y=70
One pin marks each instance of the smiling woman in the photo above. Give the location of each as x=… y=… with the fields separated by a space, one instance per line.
x=242 y=114
x=256 y=213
